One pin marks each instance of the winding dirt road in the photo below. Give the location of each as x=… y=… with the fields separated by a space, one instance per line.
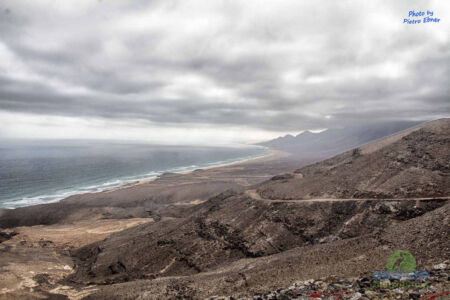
x=256 y=196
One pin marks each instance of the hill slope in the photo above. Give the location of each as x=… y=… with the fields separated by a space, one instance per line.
x=425 y=236
x=414 y=163
x=238 y=243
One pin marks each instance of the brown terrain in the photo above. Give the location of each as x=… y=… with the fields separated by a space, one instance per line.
x=177 y=238
x=35 y=242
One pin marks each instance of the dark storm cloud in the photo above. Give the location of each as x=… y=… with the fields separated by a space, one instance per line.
x=279 y=66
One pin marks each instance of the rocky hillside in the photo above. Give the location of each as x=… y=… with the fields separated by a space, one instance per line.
x=415 y=163
x=266 y=238
x=231 y=227
x=244 y=275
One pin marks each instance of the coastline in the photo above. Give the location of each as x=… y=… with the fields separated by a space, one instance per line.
x=156 y=196
x=42 y=234
x=272 y=154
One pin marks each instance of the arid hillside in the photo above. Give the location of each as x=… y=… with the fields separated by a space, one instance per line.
x=341 y=216
x=426 y=236
x=415 y=163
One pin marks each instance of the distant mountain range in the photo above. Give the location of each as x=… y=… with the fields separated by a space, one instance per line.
x=334 y=141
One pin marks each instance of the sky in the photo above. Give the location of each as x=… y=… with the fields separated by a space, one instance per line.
x=217 y=72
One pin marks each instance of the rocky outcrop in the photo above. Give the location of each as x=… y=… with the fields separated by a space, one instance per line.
x=6 y=235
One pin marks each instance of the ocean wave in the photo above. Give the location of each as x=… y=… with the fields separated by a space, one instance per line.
x=112 y=184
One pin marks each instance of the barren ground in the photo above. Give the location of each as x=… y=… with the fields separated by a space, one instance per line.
x=36 y=258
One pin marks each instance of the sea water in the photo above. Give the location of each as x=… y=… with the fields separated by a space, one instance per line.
x=43 y=172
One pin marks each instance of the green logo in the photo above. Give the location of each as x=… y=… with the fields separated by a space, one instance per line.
x=401 y=260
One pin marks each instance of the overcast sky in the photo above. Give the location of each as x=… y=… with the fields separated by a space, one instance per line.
x=216 y=71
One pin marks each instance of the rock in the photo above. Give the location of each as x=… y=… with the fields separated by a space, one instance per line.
x=441 y=266
x=369 y=293
x=356 y=296
x=45 y=243
x=282 y=177
x=4 y=236
x=324 y=286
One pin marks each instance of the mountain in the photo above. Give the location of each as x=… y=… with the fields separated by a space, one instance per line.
x=333 y=141
x=343 y=216
x=412 y=163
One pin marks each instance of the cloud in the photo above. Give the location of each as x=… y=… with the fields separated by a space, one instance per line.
x=263 y=66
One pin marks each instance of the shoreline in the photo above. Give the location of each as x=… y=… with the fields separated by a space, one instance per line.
x=272 y=154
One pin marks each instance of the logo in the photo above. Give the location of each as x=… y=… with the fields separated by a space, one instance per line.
x=401 y=265
x=401 y=260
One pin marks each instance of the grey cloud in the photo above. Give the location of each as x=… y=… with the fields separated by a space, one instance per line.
x=135 y=73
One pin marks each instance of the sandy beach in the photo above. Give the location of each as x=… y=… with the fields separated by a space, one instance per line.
x=273 y=155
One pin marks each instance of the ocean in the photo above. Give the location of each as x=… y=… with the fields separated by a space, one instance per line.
x=43 y=172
